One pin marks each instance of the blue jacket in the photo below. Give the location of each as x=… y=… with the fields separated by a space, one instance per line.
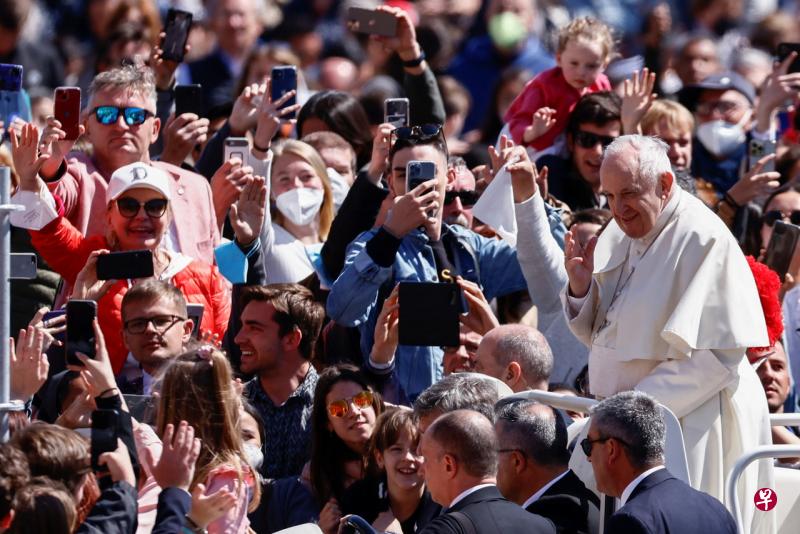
x=355 y=301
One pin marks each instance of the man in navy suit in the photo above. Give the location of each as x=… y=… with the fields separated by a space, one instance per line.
x=533 y=471
x=460 y=451
x=625 y=445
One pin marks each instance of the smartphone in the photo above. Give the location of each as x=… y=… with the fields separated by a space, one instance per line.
x=373 y=22
x=23 y=266
x=80 y=329
x=195 y=313
x=282 y=80
x=396 y=112
x=176 y=34
x=429 y=313
x=10 y=77
x=784 y=49
x=758 y=149
x=105 y=430
x=125 y=265
x=68 y=110
x=237 y=147
x=13 y=100
x=780 y=250
x=189 y=99
x=418 y=172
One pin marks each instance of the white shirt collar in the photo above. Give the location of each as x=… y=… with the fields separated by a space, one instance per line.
x=535 y=497
x=464 y=494
x=635 y=482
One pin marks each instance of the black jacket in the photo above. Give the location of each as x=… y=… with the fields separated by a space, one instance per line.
x=115 y=512
x=567 y=503
x=489 y=513
x=662 y=504
x=173 y=505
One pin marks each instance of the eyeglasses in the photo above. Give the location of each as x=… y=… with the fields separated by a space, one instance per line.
x=590 y=140
x=772 y=216
x=339 y=408
x=587 y=444
x=723 y=107
x=468 y=198
x=420 y=133
x=161 y=323
x=129 y=207
x=109 y=114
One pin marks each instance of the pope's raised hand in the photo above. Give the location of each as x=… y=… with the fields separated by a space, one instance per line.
x=579 y=262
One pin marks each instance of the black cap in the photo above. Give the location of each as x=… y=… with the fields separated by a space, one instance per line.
x=717 y=82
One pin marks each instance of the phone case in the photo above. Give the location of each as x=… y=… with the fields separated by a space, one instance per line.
x=10 y=77
x=429 y=314
x=125 y=265
x=372 y=22
x=67 y=109
x=237 y=147
x=176 y=34
x=282 y=80
x=80 y=329
x=189 y=99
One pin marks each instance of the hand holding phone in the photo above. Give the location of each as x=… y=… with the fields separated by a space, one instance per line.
x=283 y=79
x=67 y=110
x=189 y=99
x=105 y=431
x=784 y=49
x=396 y=112
x=80 y=330
x=237 y=147
x=176 y=31
x=371 y=21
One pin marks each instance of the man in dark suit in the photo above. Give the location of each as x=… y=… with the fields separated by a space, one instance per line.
x=460 y=451
x=625 y=445
x=532 y=468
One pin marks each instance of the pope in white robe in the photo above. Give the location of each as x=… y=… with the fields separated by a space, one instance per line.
x=667 y=304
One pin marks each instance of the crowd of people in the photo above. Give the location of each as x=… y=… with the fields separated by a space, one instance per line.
x=610 y=183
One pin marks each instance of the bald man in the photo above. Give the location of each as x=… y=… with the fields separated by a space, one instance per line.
x=517 y=355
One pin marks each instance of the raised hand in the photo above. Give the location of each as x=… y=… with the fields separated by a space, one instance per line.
x=56 y=146
x=248 y=213
x=119 y=465
x=179 y=452
x=755 y=183
x=579 y=262
x=29 y=364
x=480 y=318
x=27 y=161
x=405 y=41
x=637 y=97
x=381 y=146
x=387 y=329
x=97 y=371
x=270 y=116
x=163 y=69
x=208 y=508
x=543 y=120
x=413 y=209
x=244 y=115
x=50 y=328
x=778 y=88
x=226 y=185
x=181 y=135
x=524 y=176
x=499 y=156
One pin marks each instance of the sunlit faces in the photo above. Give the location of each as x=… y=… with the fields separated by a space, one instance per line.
x=461 y=358
x=140 y=231
x=588 y=160
x=434 y=469
x=581 y=61
x=119 y=144
x=259 y=339
x=599 y=461
x=402 y=463
x=152 y=348
x=697 y=61
x=355 y=428
x=774 y=375
x=679 y=141
x=341 y=161
x=728 y=105
x=485 y=361
x=290 y=171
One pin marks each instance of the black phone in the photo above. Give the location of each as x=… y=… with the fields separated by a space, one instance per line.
x=370 y=21
x=80 y=329
x=189 y=99
x=418 y=172
x=125 y=265
x=176 y=31
x=396 y=112
x=10 y=77
x=780 y=250
x=195 y=313
x=429 y=313
x=105 y=431
x=282 y=80
x=784 y=49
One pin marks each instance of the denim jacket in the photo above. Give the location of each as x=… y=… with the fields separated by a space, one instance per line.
x=356 y=296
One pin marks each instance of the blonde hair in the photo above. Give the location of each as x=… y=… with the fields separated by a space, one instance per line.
x=590 y=29
x=197 y=387
x=308 y=154
x=673 y=114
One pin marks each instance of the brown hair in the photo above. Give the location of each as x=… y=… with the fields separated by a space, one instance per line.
x=55 y=452
x=295 y=307
x=152 y=290
x=44 y=505
x=197 y=387
x=589 y=29
x=328 y=139
x=389 y=426
x=14 y=474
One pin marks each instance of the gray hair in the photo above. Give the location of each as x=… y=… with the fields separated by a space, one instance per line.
x=526 y=346
x=535 y=429
x=469 y=437
x=635 y=419
x=651 y=155
x=135 y=79
x=459 y=391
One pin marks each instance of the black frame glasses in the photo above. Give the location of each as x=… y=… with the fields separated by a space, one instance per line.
x=133 y=116
x=161 y=323
x=772 y=216
x=589 y=140
x=468 y=198
x=154 y=208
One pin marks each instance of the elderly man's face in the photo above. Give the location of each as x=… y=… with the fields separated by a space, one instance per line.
x=728 y=105
x=634 y=203
x=459 y=209
x=433 y=468
x=774 y=375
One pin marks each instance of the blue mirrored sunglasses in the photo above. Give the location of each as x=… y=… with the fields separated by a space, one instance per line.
x=109 y=115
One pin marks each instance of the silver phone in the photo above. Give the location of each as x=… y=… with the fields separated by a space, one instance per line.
x=195 y=313
x=237 y=147
x=23 y=266
x=396 y=112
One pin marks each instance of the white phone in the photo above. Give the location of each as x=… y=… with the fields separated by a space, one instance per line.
x=237 y=147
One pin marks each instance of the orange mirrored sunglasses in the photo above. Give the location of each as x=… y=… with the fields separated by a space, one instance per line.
x=339 y=408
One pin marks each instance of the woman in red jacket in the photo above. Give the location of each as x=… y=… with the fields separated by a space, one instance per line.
x=138 y=217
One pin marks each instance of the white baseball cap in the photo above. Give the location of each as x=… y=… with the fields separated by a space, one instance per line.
x=136 y=175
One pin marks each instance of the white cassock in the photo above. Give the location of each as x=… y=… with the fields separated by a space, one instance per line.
x=671 y=314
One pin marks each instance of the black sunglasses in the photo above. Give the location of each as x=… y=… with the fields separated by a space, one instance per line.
x=109 y=114
x=772 y=216
x=590 y=140
x=423 y=132
x=468 y=198
x=587 y=444
x=129 y=207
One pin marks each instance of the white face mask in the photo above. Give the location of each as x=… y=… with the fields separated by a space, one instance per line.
x=721 y=137
x=254 y=456
x=300 y=205
x=339 y=187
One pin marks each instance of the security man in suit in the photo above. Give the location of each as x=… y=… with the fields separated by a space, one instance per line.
x=625 y=445
x=532 y=467
x=460 y=451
